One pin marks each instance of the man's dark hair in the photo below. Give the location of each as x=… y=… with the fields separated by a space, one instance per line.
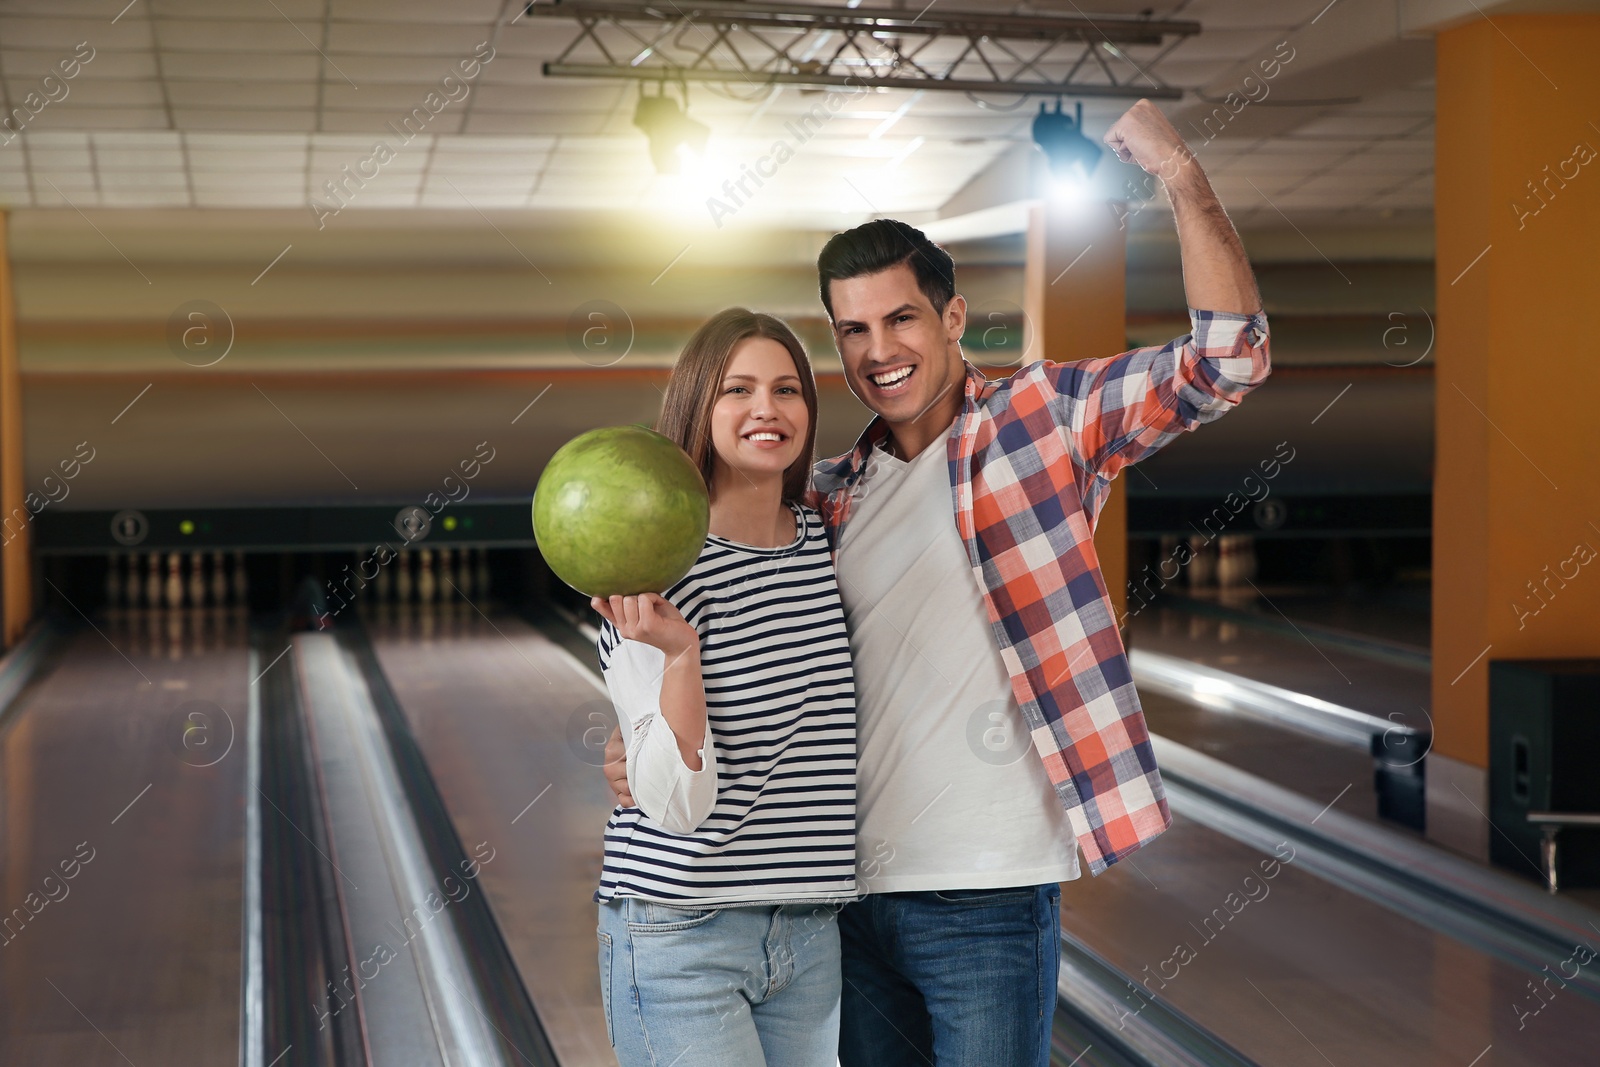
x=883 y=243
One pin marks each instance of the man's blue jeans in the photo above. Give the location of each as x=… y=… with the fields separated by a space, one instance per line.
x=956 y=978
x=720 y=987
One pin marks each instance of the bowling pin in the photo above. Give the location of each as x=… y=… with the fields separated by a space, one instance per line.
x=463 y=576
x=241 y=582
x=132 y=590
x=427 y=622
x=449 y=594
x=480 y=578
x=155 y=623
x=448 y=590
x=1169 y=545
x=219 y=581
x=427 y=585
x=174 y=634
x=174 y=585
x=197 y=580
x=138 y=621
x=152 y=581
x=402 y=577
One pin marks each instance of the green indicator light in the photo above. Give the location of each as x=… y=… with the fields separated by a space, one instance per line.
x=186 y=527
x=449 y=522
x=466 y=523
x=205 y=527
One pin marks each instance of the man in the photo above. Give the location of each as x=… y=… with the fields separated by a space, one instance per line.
x=997 y=623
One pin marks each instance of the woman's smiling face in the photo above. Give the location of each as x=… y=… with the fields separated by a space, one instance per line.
x=758 y=423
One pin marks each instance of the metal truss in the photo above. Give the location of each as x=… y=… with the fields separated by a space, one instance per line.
x=760 y=45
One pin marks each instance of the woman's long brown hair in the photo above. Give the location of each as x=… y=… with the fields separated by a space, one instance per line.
x=696 y=383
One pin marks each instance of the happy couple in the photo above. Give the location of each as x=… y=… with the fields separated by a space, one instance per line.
x=811 y=857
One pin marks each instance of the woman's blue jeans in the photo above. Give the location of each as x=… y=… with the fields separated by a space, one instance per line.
x=697 y=987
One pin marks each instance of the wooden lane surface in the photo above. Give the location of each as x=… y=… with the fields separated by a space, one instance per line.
x=123 y=766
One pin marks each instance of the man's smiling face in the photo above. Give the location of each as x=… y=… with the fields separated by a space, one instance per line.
x=901 y=357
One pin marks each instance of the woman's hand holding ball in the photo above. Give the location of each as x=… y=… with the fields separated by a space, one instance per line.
x=649 y=618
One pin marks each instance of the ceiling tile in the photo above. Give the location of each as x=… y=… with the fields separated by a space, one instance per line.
x=241 y=66
x=111 y=160
x=301 y=11
x=385 y=200
x=1359 y=127
x=135 y=198
x=234 y=35
x=98 y=118
x=388 y=99
x=300 y=96
x=239 y=119
x=481 y=12
x=60 y=160
x=136 y=138
x=85 y=92
x=541 y=124
x=442 y=40
x=142 y=179
x=60 y=36
x=242 y=160
x=222 y=140
x=46 y=139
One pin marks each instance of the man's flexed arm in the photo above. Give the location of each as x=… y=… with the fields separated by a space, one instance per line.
x=1216 y=274
x=1117 y=410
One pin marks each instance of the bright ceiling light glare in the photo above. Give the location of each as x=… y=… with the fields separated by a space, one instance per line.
x=1072 y=156
x=1071 y=190
x=669 y=130
x=694 y=165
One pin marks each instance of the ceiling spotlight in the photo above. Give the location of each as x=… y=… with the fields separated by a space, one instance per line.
x=670 y=130
x=1072 y=156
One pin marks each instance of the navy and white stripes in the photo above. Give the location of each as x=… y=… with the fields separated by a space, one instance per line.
x=780 y=701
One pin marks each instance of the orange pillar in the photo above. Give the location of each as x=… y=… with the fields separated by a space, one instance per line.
x=16 y=581
x=1517 y=485
x=1076 y=284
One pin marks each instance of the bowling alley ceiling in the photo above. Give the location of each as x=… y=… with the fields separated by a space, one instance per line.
x=204 y=104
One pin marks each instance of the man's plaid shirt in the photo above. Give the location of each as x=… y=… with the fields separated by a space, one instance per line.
x=1031 y=460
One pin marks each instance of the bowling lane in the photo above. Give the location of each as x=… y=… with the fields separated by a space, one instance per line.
x=512 y=729
x=1292 y=970
x=1284 y=754
x=121 y=861
x=1291 y=661
x=1329 y=773
x=1399 y=616
x=1297 y=969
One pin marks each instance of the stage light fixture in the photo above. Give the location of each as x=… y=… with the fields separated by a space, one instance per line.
x=671 y=131
x=1072 y=156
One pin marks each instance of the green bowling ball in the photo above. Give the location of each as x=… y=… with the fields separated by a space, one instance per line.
x=620 y=510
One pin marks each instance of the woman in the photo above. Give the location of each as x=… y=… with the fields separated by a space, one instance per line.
x=719 y=890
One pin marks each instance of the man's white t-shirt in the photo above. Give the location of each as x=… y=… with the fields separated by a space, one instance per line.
x=950 y=793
